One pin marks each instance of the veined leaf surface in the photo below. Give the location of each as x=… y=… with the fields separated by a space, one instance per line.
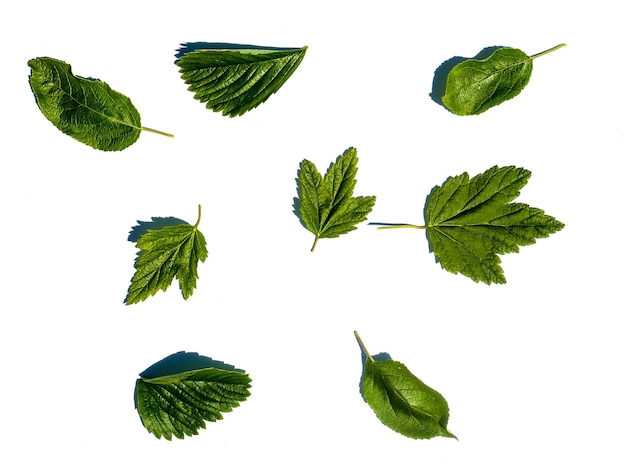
x=469 y=222
x=475 y=85
x=165 y=253
x=325 y=206
x=86 y=109
x=401 y=401
x=179 y=404
x=235 y=81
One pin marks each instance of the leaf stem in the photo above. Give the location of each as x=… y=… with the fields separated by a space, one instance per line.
x=147 y=129
x=362 y=346
x=383 y=226
x=199 y=216
x=314 y=243
x=532 y=57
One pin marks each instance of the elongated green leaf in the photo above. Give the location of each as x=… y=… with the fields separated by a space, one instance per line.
x=473 y=86
x=179 y=404
x=235 y=81
x=470 y=221
x=325 y=206
x=402 y=401
x=165 y=253
x=84 y=108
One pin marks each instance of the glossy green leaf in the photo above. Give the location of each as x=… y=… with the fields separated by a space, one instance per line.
x=165 y=253
x=86 y=109
x=179 y=404
x=469 y=222
x=235 y=81
x=401 y=401
x=475 y=85
x=325 y=206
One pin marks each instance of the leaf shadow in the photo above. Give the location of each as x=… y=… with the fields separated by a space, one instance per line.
x=440 y=76
x=156 y=223
x=187 y=47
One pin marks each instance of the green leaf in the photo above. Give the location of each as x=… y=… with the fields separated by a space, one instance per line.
x=325 y=206
x=470 y=221
x=179 y=404
x=235 y=81
x=401 y=401
x=473 y=86
x=165 y=253
x=84 y=108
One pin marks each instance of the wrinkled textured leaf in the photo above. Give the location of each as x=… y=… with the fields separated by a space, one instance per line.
x=401 y=401
x=325 y=206
x=171 y=251
x=469 y=222
x=84 y=108
x=179 y=404
x=475 y=85
x=235 y=81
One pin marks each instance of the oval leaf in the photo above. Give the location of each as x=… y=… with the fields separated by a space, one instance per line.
x=179 y=404
x=235 y=81
x=473 y=86
x=401 y=401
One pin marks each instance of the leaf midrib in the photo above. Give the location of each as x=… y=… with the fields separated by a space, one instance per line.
x=110 y=118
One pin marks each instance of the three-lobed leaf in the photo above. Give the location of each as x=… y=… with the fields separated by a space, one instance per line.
x=235 y=81
x=401 y=401
x=166 y=253
x=86 y=109
x=325 y=205
x=475 y=85
x=179 y=404
x=470 y=221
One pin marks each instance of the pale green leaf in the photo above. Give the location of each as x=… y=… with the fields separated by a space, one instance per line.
x=179 y=404
x=236 y=80
x=475 y=85
x=469 y=222
x=166 y=253
x=325 y=206
x=401 y=401
x=86 y=109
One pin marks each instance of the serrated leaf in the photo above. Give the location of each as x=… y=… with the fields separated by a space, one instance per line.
x=179 y=404
x=469 y=222
x=325 y=206
x=235 y=81
x=475 y=85
x=86 y=109
x=401 y=401
x=172 y=251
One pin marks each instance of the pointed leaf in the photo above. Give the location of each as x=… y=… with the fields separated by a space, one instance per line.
x=179 y=404
x=165 y=253
x=235 y=81
x=325 y=206
x=469 y=222
x=86 y=109
x=401 y=401
x=475 y=85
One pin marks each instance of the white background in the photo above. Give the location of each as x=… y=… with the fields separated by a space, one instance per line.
x=532 y=370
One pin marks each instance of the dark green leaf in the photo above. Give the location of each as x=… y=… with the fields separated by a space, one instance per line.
x=469 y=222
x=84 y=108
x=235 y=81
x=402 y=401
x=165 y=253
x=325 y=206
x=475 y=85
x=179 y=404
